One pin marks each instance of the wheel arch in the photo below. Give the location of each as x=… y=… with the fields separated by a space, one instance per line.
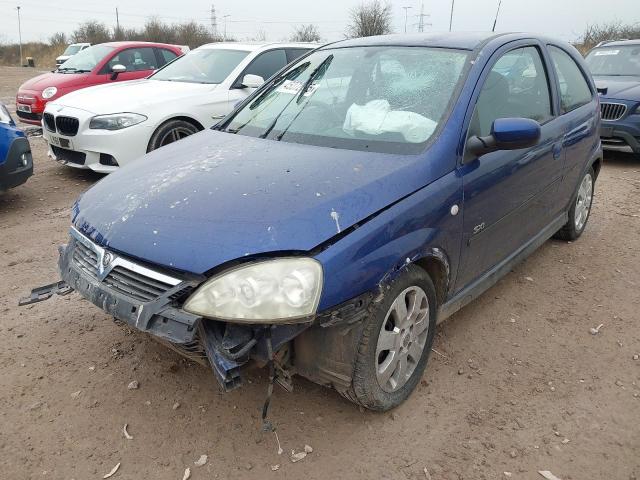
x=184 y=118
x=436 y=263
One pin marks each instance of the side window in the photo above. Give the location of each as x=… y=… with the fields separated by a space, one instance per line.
x=517 y=86
x=135 y=59
x=574 y=89
x=267 y=63
x=294 y=53
x=165 y=56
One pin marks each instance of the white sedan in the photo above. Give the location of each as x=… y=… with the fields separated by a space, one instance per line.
x=108 y=126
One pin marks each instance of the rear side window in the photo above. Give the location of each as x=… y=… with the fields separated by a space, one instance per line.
x=166 y=56
x=574 y=89
x=517 y=86
x=267 y=63
x=294 y=53
x=135 y=59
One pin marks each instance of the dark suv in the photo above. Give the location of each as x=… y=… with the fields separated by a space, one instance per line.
x=616 y=70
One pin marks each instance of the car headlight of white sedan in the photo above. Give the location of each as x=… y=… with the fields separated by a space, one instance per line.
x=283 y=290
x=49 y=92
x=116 y=121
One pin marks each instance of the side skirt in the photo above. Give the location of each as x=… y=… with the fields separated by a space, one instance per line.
x=479 y=286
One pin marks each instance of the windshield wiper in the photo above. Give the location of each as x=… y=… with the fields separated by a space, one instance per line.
x=312 y=76
x=319 y=70
x=316 y=74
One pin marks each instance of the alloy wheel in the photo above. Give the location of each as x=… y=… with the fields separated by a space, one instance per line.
x=402 y=339
x=583 y=202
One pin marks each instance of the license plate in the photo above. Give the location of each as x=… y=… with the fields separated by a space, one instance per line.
x=60 y=142
x=23 y=108
x=606 y=131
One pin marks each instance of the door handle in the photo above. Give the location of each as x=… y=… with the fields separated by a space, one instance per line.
x=557 y=150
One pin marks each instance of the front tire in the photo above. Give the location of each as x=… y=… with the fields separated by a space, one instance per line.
x=171 y=131
x=395 y=343
x=580 y=209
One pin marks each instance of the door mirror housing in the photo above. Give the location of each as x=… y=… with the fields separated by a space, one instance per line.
x=252 y=81
x=506 y=134
x=116 y=70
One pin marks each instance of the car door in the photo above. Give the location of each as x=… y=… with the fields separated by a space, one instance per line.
x=577 y=104
x=265 y=65
x=140 y=62
x=510 y=195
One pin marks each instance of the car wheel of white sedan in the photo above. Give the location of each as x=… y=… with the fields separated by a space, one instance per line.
x=171 y=131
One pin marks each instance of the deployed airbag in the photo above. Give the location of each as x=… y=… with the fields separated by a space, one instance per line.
x=376 y=117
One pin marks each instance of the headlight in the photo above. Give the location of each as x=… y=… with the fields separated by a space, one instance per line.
x=49 y=92
x=272 y=291
x=116 y=121
x=4 y=115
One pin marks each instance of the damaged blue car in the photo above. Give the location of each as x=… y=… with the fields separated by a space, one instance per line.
x=364 y=193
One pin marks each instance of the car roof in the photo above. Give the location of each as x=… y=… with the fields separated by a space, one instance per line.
x=253 y=46
x=619 y=43
x=462 y=40
x=138 y=43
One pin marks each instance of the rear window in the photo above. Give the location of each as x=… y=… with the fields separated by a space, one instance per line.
x=574 y=89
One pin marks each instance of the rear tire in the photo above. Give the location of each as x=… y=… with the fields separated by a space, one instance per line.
x=580 y=209
x=395 y=343
x=171 y=131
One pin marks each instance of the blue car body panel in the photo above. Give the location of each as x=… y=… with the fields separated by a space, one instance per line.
x=8 y=133
x=215 y=198
x=14 y=168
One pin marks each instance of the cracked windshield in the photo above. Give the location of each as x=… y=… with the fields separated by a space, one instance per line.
x=383 y=99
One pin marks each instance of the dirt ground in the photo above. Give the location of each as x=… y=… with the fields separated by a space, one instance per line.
x=518 y=383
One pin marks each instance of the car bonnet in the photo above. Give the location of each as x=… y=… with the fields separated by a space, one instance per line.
x=216 y=197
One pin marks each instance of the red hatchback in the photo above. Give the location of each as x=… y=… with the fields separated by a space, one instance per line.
x=103 y=63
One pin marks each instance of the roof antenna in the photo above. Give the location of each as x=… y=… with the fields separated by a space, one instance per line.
x=496 y=19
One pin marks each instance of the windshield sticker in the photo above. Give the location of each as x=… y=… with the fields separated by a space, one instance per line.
x=606 y=52
x=293 y=87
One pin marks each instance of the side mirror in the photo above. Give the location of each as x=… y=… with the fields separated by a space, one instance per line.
x=506 y=134
x=252 y=81
x=116 y=70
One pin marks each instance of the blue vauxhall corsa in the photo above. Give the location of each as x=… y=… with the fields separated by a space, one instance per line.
x=367 y=191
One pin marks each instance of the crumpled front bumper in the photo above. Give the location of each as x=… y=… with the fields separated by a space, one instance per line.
x=226 y=346
x=159 y=317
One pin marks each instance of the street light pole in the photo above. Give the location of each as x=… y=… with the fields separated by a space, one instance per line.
x=19 y=34
x=451 y=17
x=406 y=12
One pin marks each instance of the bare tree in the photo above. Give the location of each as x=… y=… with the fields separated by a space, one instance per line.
x=595 y=34
x=92 y=32
x=305 y=33
x=370 y=18
x=58 y=39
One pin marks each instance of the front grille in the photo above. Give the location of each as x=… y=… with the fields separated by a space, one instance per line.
x=121 y=279
x=28 y=115
x=135 y=285
x=49 y=122
x=67 y=125
x=69 y=155
x=86 y=259
x=612 y=111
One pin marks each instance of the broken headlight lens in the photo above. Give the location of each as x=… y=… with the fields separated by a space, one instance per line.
x=273 y=291
x=115 y=121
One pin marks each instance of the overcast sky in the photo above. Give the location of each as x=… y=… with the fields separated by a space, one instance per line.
x=565 y=19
